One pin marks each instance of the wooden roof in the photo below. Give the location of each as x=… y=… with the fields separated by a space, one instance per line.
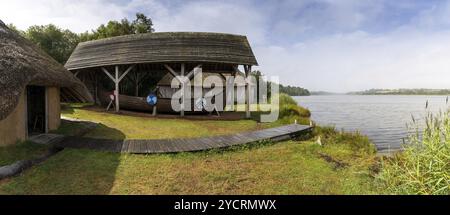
x=163 y=48
x=23 y=63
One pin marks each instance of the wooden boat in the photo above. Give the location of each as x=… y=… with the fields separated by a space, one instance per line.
x=126 y=102
x=163 y=104
x=137 y=103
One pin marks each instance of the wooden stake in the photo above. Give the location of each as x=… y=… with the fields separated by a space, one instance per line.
x=182 y=92
x=116 y=93
x=247 y=69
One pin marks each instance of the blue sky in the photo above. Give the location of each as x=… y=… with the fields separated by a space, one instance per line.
x=331 y=45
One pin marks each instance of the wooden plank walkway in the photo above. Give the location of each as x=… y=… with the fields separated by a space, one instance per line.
x=184 y=145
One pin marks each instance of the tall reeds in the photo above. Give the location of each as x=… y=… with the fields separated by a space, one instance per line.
x=423 y=167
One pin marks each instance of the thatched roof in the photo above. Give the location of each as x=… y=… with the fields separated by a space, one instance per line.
x=23 y=63
x=163 y=47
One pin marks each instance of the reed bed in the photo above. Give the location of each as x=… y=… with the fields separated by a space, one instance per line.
x=423 y=167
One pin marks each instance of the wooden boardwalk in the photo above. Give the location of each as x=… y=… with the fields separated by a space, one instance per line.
x=184 y=145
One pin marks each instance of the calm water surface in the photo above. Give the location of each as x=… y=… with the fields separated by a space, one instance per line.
x=382 y=118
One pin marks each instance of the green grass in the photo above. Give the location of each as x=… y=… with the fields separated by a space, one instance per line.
x=115 y=126
x=424 y=166
x=20 y=151
x=343 y=164
x=292 y=167
x=70 y=128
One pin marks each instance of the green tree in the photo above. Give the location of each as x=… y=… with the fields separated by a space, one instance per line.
x=56 y=42
x=15 y=29
x=59 y=43
x=142 y=24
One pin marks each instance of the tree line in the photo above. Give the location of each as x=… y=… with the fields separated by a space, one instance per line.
x=60 y=43
x=421 y=91
x=294 y=91
x=290 y=90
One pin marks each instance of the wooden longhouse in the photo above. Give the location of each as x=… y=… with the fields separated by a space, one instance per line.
x=142 y=60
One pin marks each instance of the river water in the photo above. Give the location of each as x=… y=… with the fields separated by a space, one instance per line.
x=382 y=118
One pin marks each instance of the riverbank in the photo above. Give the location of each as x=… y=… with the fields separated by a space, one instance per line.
x=324 y=162
x=335 y=166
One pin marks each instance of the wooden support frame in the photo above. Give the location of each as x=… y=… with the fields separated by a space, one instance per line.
x=137 y=80
x=223 y=76
x=116 y=79
x=248 y=69
x=193 y=72
x=76 y=73
x=172 y=72
x=189 y=76
x=182 y=92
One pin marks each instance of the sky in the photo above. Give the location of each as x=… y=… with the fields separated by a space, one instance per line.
x=326 y=45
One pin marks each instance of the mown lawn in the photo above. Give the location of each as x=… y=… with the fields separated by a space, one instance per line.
x=342 y=164
x=115 y=126
x=292 y=167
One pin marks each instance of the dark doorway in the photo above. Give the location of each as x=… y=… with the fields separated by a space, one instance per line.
x=36 y=110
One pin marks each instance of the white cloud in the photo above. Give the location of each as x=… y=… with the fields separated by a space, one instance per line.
x=208 y=16
x=338 y=54
x=78 y=16
x=358 y=60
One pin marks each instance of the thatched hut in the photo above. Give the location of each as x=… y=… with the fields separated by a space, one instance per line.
x=30 y=83
x=132 y=65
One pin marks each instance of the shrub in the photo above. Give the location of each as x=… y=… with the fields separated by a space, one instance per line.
x=424 y=165
x=357 y=141
x=290 y=108
x=285 y=99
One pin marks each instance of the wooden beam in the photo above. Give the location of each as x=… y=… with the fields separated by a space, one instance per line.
x=154 y=110
x=223 y=76
x=126 y=72
x=172 y=72
x=238 y=71
x=108 y=74
x=247 y=69
x=182 y=92
x=193 y=72
x=116 y=93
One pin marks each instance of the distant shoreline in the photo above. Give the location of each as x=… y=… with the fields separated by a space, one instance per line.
x=346 y=94
x=421 y=91
x=385 y=92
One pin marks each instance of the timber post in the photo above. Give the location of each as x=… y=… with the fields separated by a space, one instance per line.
x=116 y=79
x=247 y=69
x=183 y=85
